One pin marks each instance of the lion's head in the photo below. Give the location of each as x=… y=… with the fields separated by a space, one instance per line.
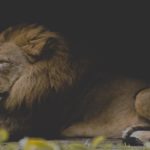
x=34 y=63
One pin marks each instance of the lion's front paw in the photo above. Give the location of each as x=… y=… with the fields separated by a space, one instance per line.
x=136 y=135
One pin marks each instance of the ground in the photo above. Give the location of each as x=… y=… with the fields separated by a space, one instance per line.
x=73 y=144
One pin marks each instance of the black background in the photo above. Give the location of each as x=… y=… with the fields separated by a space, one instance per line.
x=116 y=34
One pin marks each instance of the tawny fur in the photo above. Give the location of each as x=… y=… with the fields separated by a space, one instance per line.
x=49 y=93
x=54 y=72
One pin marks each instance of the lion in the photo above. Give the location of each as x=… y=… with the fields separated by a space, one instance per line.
x=46 y=92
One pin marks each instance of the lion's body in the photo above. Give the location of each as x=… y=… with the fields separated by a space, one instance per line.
x=109 y=108
x=45 y=92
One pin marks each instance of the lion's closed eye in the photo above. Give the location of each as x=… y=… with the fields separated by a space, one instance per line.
x=4 y=65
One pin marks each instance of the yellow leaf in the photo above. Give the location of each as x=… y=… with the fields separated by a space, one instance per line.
x=97 y=141
x=37 y=144
x=76 y=146
x=4 y=135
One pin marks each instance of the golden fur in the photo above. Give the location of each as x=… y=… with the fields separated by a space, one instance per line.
x=50 y=92
x=54 y=72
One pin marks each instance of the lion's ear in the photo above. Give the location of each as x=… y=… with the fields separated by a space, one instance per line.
x=44 y=46
x=35 y=40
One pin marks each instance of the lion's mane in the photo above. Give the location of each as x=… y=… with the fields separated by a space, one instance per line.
x=50 y=68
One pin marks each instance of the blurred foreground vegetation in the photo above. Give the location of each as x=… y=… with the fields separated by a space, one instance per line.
x=97 y=143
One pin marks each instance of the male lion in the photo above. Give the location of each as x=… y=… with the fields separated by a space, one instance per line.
x=44 y=91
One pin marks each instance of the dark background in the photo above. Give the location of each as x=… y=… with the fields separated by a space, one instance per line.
x=115 y=34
